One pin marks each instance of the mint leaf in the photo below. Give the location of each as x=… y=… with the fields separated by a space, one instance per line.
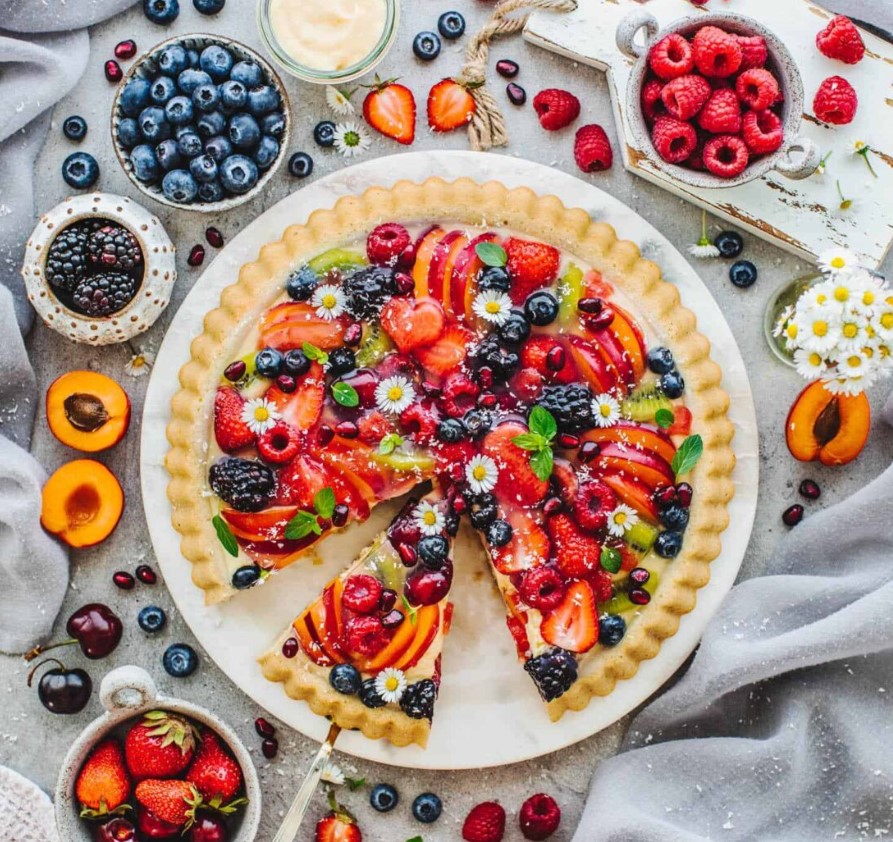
x=664 y=418
x=530 y=441
x=390 y=443
x=225 y=535
x=541 y=421
x=301 y=525
x=491 y=254
x=345 y=394
x=687 y=456
x=611 y=559
x=353 y=784
x=313 y=353
x=541 y=463
x=324 y=503
x=416 y=839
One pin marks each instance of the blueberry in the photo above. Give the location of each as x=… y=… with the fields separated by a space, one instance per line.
x=179 y=186
x=74 y=128
x=151 y=619
x=203 y=168
x=173 y=60
x=295 y=363
x=191 y=78
x=494 y=277
x=743 y=274
x=206 y=97
x=668 y=544
x=268 y=363
x=180 y=660
x=611 y=629
x=499 y=533
x=266 y=153
x=342 y=361
x=729 y=243
x=300 y=165
x=433 y=551
x=451 y=430
x=451 y=25
x=660 y=360
x=477 y=422
x=383 y=798
x=515 y=329
x=345 y=678
x=233 y=95
x=145 y=163
x=216 y=62
x=161 y=11
x=178 y=110
x=135 y=96
x=163 y=88
x=427 y=808
x=246 y=577
x=541 y=308
x=218 y=147
x=263 y=99
x=238 y=174
x=249 y=73
x=324 y=133
x=80 y=170
x=154 y=125
x=300 y=284
x=193 y=57
x=189 y=144
x=483 y=510
x=210 y=124
x=672 y=384
x=243 y=131
x=211 y=191
x=168 y=154
x=426 y=46
x=675 y=518
x=273 y=124
x=208 y=7
x=128 y=133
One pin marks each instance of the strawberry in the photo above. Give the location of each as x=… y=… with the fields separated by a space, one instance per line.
x=531 y=266
x=102 y=785
x=412 y=322
x=339 y=825
x=447 y=353
x=535 y=352
x=450 y=106
x=576 y=553
x=300 y=480
x=215 y=774
x=528 y=548
x=302 y=407
x=390 y=109
x=517 y=481
x=174 y=802
x=573 y=625
x=230 y=430
x=160 y=746
x=485 y=823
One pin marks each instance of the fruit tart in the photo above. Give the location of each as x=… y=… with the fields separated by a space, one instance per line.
x=519 y=355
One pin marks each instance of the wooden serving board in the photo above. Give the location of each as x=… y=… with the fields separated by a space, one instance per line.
x=803 y=217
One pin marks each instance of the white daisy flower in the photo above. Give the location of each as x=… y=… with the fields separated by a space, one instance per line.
x=837 y=262
x=783 y=318
x=621 y=520
x=883 y=323
x=259 y=415
x=703 y=248
x=818 y=331
x=390 y=684
x=847 y=385
x=847 y=203
x=333 y=774
x=492 y=306
x=351 y=139
x=339 y=101
x=810 y=364
x=863 y=150
x=140 y=364
x=329 y=301
x=606 y=410
x=822 y=168
x=394 y=394
x=816 y=296
x=482 y=474
x=853 y=334
x=429 y=519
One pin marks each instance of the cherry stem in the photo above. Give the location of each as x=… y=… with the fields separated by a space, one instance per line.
x=38 y=650
x=38 y=666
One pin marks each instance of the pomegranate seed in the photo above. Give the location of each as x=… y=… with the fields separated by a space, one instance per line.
x=263 y=728
x=347 y=429
x=286 y=383
x=567 y=441
x=325 y=434
x=405 y=283
x=457 y=472
x=487 y=400
x=196 y=256
x=290 y=648
x=589 y=450
x=684 y=494
x=235 y=371
x=601 y=320
x=340 y=514
x=516 y=94
x=639 y=575
x=214 y=237
x=507 y=68
x=113 y=71
x=665 y=496
x=459 y=505
x=353 y=334
x=810 y=489
x=408 y=554
x=556 y=358
x=793 y=515
x=125 y=49
x=485 y=376
x=146 y=574
x=406 y=260
x=387 y=600
x=123 y=580
x=552 y=507
x=639 y=596
x=590 y=305
x=392 y=619
x=270 y=747
x=431 y=391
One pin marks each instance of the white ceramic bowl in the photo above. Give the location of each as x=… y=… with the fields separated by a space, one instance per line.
x=127 y=693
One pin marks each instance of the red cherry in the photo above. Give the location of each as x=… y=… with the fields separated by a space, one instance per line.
x=196 y=255
x=152 y=827
x=117 y=830
x=428 y=587
x=286 y=383
x=600 y=320
x=113 y=71
x=208 y=827
x=214 y=237
x=125 y=49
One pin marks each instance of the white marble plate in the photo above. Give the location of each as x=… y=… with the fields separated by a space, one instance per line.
x=489 y=713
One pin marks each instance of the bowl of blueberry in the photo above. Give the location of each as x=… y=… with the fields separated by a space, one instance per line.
x=201 y=122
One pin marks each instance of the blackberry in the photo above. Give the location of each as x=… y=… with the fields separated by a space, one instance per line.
x=570 y=405
x=417 y=702
x=114 y=248
x=101 y=295
x=244 y=484
x=553 y=673
x=368 y=290
x=482 y=510
x=490 y=353
x=67 y=259
x=369 y=695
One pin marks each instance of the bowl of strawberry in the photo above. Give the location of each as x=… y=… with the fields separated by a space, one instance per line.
x=155 y=768
x=715 y=100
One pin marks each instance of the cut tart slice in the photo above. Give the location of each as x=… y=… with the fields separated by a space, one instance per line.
x=366 y=652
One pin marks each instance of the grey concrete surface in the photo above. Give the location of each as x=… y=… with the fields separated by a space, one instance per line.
x=34 y=742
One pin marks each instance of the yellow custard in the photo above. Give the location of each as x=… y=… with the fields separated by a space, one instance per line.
x=331 y=35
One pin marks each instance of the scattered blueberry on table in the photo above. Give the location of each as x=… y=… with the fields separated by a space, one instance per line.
x=80 y=170
x=300 y=165
x=180 y=660
x=743 y=274
x=74 y=128
x=426 y=46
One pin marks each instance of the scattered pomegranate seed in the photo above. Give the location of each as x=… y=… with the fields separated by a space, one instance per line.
x=590 y=305
x=589 y=450
x=405 y=283
x=113 y=71
x=270 y=747
x=556 y=358
x=290 y=648
x=353 y=334
x=793 y=515
x=810 y=489
x=507 y=68
x=286 y=383
x=263 y=728
x=684 y=494
x=639 y=575
x=516 y=94
x=214 y=237
x=347 y=429
x=485 y=376
x=196 y=256
x=639 y=596
x=146 y=574
x=125 y=49
x=124 y=580
x=235 y=371
x=407 y=554
x=552 y=507
x=340 y=514
x=325 y=434
x=568 y=441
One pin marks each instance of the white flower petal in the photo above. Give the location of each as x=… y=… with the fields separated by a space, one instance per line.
x=621 y=520
x=259 y=415
x=492 y=305
x=482 y=474
x=351 y=139
x=429 y=519
x=329 y=300
x=338 y=101
x=394 y=394
x=390 y=684
x=606 y=410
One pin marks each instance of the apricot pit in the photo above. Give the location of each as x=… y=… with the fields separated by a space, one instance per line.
x=87 y=411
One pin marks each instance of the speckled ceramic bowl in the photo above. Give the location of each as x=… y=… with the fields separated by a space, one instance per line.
x=807 y=153
x=127 y=693
x=144 y=67
x=151 y=297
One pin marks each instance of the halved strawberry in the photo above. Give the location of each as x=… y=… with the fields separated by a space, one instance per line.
x=300 y=480
x=573 y=625
x=302 y=407
x=447 y=353
x=412 y=322
x=231 y=432
x=450 y=106
x=532 y=266
x=535 y=354
x=517 y=482
x=528 y=548
x=576 y=553
x=390 y=109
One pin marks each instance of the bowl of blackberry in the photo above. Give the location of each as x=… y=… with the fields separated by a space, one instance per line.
x=201 y=122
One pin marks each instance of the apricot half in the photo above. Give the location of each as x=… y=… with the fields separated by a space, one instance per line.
x=82 y=503
x=87 y=411
x=828 y=428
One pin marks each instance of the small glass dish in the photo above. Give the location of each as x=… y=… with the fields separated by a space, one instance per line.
x=328 y=77
x=785 y=296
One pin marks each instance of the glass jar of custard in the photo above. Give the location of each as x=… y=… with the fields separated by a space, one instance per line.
x=331 y=41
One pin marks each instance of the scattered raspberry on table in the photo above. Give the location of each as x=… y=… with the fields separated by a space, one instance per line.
x=841 y=40
x=835 y=101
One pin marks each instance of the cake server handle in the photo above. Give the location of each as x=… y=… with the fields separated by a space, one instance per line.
x=292 y=821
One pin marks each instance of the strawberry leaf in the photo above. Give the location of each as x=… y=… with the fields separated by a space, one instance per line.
x=688 y=455
x=345 y=394
x=491 y=254
x=313 y=353
x=543 y=423
x=541 y=463
x=324 y=502
x=353 y=784
x=301 y=525
x=611 y=559
x=225 y=535
x=664 y=418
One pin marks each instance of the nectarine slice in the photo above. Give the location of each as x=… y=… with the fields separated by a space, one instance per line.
x=828 y=428
x=82 y=503
x=87 y=411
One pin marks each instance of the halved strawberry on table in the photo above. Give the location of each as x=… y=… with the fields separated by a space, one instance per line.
x=391 y=110
x=450 y=106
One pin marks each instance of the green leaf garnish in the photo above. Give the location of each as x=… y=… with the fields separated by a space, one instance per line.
x=491 y=254
x=313 y=353
x=416 y=839
x=390 y=443
x=611 y=559
x=324 y=502
x=664 y=418
x=530 y=441
x=542 y=463
x=301 y=525
x=353 y=784
x=543 y=422
x=543 y=429
x=345 y=394
x=410 y=610
x=225 y=535
x=687 y=456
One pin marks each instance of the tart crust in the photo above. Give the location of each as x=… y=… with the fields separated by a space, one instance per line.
x=472 y=203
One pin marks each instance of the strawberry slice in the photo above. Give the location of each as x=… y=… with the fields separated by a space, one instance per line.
x=412 y=322
x=517 y=482
x=302 y=407
x=529 y=546
x=450 y=106
x=535 y=354
x=231 y=432
x=573 y=625
x=447 y=353
x=532 y=266
x=390 y=109
x=300 y=480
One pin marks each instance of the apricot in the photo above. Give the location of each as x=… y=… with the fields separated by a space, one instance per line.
x=87 y=411
x=828 y=428
x=82 y=503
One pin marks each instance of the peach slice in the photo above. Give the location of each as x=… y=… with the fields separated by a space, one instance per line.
x=634 y=493
x=427 y=623
x=591 y=365
x=635 y=435
x=87 y=411
x=268 y=525
x=82 y=503
x=465 y=270
x=650 y=468
x=425 y=246
x=828 y=428
x=443 y=256
x=293 y=323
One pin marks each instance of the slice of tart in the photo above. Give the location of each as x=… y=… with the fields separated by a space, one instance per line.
x=366 y=653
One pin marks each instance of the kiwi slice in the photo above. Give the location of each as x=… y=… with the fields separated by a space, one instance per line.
x=644 y=404
x=641 y=536
x=570 y=290
x=375 y=346
x=336 y=259
x=621 y=601
x=405 y=461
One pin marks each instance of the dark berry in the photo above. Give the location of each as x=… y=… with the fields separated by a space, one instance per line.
x=264 y=729
x=113 y=247
x=451 y=430
x=570 y=405
x=490 y=354
x=383 y=798
x=113 y=71
x=196 y=255
x=553 y=673
x=433 y=551
x=684 y=493
x=301 y=284
x=499 y=533
x=208 y=7
x=104 y=294
x=151 y=619
x=810 y=489
x=427 y=808
x=146 y=574
x=161 y=11
x=660 y=360
x=123 y=580
x=341 y=361
x=729 y=243
x=483 y=510
x=477 y=422
x=296 y=363
x=426 y=46
x=611 y=629
x=516 y=94
x=66 y=264
x=451 y=25
x=125 y=49
x=290 y=648
x=345 y=678
x=324 y=134
x=591 y=306
x=675 y=518
x=672 y=384
x=507 y=68
x=494 y=277
x=417 y=701
x=180 y=660
x=340 y=514
x=541 y=308
x=369 y=695
x=268 y=363
x=639 y=596
x=244 y=484
x=74 y=128
x=743 y=274
x=270 y=748
x=793 y=515
x=368 y=290
x=668 y=544
x=80 y=170
x=246 y=577
x=515 y=330
x=300 y=165
x=214 y=237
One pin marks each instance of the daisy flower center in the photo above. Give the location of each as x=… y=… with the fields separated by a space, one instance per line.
x=820 y=328
x=391 y=683
x=854 y=361
x=395 y=393
x=821 y=298
x=850 y=331
x=838 y=262
x=492 y=307
x=605 y=410
x=841 y=294
x=620 y=518
x=479 y=473
x=430 y=518
x=351 y=138
x=815 y=359
x=792 y=331
x=887 y=320
x=262 y=414
x=329 y=301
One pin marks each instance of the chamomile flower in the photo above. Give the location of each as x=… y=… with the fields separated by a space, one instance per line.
x=482 y=474
x=329 y=301
x=703 y=248
x=390 y=684
x=351 y=139
x=883 y=323
x=853 y=334
x=492 y=306
x=339 y=101
x=333 y=774
x=621 y=520
x=822 y=168
x=606 y=410
x=863 y=150
x=847 y=204
x=837 y=263
x=818 y=330
x=394 y=394
x=139 y=364
x=810 y=364
x=429 y=519
x=259 y=415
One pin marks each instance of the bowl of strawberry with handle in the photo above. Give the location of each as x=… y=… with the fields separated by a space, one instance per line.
x=154 y=767
x=715 y=100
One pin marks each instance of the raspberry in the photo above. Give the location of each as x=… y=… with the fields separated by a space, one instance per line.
x=592 y=505
x=673 y=139
x=716 y=52
x=459 y=394
x=602 y=584
x=386 y=243
x=420 y=421
x=763 y=132
x=542 y=588
x=539 y=817
x=365 y=636
x=835 y=101
x=685 y=97
x=556 y=108
x=841 y=40
x=652 y=105
x=279 y=445
x=485 y=823
x=671 y=57
x=374 y=427
x=757 y=89
x=577 y=553
x=722 y=113
x=592 y=149
x=754 y=52
x=361 y=594
x=726 y=156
